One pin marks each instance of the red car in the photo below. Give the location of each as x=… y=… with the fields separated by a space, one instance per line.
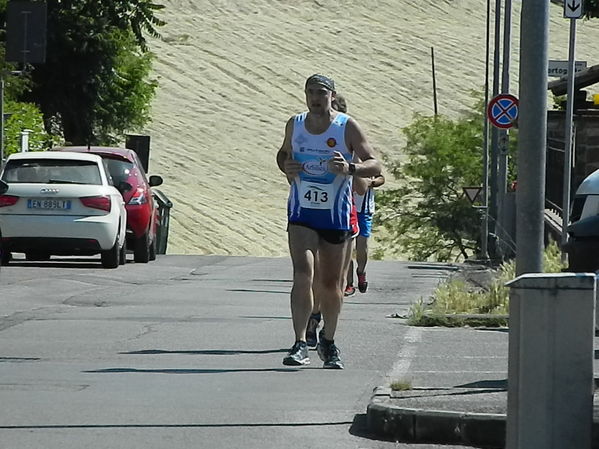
x=142 y=213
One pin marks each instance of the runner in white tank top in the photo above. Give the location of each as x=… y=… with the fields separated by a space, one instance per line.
x=319 y=205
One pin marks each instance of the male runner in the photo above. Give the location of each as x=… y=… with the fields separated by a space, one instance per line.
x=316 y=156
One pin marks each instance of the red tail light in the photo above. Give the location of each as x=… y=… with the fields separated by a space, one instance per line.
x=101 y=202
x=8 y=200
x=139 y=197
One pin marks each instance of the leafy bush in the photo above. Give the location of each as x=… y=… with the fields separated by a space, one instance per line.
x=428 y=216
x=25 y=116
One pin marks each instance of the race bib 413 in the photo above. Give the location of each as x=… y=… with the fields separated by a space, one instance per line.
x=313 y=195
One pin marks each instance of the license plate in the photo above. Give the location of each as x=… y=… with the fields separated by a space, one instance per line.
x=49 y=204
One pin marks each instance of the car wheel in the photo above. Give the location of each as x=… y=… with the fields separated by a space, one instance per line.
x=110 y=258
x=141 y=251
x=5 y=258
x=153 y=249
x=123 y=255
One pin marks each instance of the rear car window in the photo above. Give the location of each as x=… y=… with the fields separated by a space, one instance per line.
x=577 y=207
x=119 y=169
x=52 y=171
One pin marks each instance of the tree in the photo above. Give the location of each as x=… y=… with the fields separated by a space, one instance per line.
x=428 y=215
x=591 y=8
x=94 y=84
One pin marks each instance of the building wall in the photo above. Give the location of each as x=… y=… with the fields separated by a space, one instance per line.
x=586 y=159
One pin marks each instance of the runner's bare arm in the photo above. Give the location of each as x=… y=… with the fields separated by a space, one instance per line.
x=284 y=158
x=360 y=185
x=358 y=144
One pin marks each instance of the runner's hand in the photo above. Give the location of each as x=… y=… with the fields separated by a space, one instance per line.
x=338 y=164
x=292 y=168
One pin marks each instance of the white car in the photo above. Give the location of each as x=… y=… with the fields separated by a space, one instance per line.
x=3 y=188
x=61 y=203
x=583 y=243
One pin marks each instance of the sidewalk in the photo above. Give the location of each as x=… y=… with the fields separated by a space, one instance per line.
x=458 y=395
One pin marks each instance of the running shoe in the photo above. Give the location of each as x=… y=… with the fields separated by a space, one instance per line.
x=313 y=323
x=329 y=354
x=350 y=290
x=362 y=283
x=298 y=355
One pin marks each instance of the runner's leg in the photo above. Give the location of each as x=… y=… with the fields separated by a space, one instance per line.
x=361 y=253
x=331 y=276
x=349 y=279
x=303 y=245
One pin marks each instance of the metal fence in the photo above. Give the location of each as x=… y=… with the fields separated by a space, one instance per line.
x=164 y=209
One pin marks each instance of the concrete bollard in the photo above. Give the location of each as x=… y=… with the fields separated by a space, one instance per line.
x=550 y=363
x=25 y=140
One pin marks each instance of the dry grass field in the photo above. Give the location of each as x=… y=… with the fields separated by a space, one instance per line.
x=231 y=73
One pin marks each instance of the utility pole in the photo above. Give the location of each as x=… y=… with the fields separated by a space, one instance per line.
x=503 y=143
x=484 y=238
x=532 y=138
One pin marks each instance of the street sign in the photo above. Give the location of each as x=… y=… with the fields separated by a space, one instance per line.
x=26 y=32
x=502 y=111
x=472 y=193
x=557 y=68
x=572 y=9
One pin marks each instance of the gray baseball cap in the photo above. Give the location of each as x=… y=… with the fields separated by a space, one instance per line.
x=321 y=80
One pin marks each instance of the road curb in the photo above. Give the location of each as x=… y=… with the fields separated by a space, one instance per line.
x=414 y=425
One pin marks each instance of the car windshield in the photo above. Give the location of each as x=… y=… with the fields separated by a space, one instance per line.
x=52 y=171
x=119 y=169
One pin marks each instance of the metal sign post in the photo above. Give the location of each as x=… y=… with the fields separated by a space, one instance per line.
x=573 y=11
x=25 y=43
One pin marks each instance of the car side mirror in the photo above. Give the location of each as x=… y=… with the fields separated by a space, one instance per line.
x=124 y=187
x=3 y=187
x=155 y=180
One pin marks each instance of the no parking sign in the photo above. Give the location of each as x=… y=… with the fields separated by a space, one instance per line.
x=502 y=111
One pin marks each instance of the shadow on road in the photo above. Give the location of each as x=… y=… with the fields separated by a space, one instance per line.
x=204 y=352
x=70 y=263
x=193 y=371
x=191 y=425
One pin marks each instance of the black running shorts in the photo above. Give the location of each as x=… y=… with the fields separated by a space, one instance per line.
x=333 y=236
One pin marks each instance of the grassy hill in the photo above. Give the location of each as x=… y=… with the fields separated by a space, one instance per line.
x=231 y=73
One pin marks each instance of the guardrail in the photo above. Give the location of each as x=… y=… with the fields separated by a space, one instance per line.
x=553 y=219
x=164 y=209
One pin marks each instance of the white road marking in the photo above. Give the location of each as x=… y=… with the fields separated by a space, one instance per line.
x=405 y=355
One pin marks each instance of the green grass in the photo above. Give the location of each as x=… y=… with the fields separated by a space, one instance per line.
x=401 y=385
x=455 y=302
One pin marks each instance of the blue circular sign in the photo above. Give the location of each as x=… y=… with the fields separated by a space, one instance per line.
x=503 y=111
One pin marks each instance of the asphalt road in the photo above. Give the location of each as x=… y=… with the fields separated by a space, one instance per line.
x=185 y=352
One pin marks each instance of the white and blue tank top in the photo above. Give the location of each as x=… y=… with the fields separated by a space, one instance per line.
x=318 y=198
x=365 y=203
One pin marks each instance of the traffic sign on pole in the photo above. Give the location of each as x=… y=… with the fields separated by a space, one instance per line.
x=502 y=111
x=472 y=193
x=573 y=9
